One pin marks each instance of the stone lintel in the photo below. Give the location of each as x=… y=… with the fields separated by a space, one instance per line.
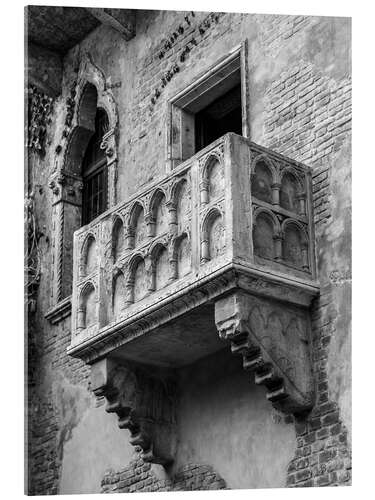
x=59 y=312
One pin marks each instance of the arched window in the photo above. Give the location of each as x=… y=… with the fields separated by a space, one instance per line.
x=94 y=172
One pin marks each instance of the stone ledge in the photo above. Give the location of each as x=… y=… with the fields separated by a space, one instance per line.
x=59 y=312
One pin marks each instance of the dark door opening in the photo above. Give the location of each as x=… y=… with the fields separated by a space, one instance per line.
x=220 y=117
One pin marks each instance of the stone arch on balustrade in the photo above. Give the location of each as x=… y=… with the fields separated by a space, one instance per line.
x=87 y=310
x=137 y=282
x=212 y=176
x=266 y=227
x=181 y=254
x=88 y=255
x=158 y=212
x=136 y=226
x=291 y=188
x=264 y=174
x=212 y=235
x=118 y=292
x=295 y=244
x=160 y=265
x=118 y=236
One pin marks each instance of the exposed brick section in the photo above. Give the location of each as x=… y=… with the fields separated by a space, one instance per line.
x=148 y=118
x=308 y=117
x=138 y=477
x=276 y=30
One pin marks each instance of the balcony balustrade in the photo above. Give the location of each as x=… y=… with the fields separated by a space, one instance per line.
x=220 y=251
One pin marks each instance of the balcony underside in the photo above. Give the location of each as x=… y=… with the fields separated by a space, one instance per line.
x=178 y=328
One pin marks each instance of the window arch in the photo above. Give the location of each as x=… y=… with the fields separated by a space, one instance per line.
x=95 y=172
x=89 y=106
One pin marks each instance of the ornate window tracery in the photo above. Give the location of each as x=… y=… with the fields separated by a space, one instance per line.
x=94 y=172
x=83 y=179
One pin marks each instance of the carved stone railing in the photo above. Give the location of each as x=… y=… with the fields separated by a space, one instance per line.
x=227 y=239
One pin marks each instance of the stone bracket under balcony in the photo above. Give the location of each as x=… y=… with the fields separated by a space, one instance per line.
x=274 y=342
x=144 y=403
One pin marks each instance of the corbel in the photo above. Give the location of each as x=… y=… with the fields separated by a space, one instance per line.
x=144 y=403
x=273 y=340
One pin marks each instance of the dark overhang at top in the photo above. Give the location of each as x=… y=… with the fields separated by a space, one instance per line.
x=51 y=32
x=60 y=28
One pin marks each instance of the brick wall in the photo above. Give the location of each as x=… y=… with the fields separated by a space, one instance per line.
x=169 y=67
x=139 y=477
x=308 y=117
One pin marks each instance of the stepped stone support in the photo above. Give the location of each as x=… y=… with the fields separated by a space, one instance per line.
x=144 y=404
x=273 y=340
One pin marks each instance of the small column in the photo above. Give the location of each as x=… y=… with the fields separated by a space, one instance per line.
x=173 y=269
x=81 y=318
x=172 y=209
x=276 y=186
x=305 y=257
x=81 y=268
x=150 y=270
x=129 y=238
x=301 y=197
x=278 y=246
x=129 y=292
x=150 y=224
x=203 y=189
x=205 y=249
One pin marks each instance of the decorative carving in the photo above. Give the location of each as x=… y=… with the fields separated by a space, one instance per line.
x=40 y=108
x=213 y=236
x=118 y=294
x=273 y=341
x=89 y=257
x=265 y=228
x=160 y=267
x=263 y=179
x=183 y=205
x=140 y=280
x=290 y=191
x=156 y=219
x=212 y=175
x=118 y=238
x=85 y=94
x=87 y=312
x=295 y=244
x=144 y=404
x=183 y=256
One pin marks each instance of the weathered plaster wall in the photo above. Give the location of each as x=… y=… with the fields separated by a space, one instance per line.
x=226 y=421
x=299 y=71
x=96 y=445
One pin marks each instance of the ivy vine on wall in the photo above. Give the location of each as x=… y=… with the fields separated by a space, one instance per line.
x=39 y=117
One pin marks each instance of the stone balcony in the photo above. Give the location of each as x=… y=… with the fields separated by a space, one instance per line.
x=219 y=252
